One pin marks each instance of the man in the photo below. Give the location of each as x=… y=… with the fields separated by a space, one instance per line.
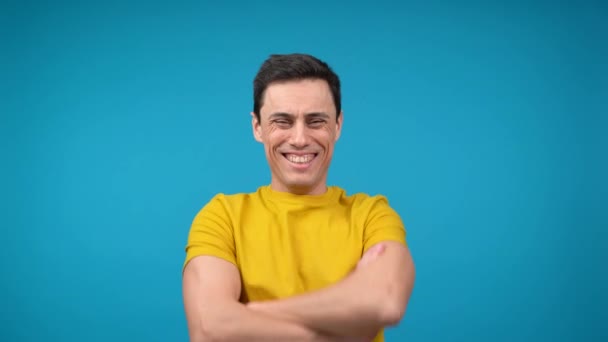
x=297 y=260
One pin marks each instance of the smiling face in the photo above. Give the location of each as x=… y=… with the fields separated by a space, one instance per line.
x=298 y=128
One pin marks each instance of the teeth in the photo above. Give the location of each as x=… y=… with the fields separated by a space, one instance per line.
x=300 y=159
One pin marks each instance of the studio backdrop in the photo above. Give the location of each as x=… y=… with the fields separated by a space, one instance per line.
x=484 y=124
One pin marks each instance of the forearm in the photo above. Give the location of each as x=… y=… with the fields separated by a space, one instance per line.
x=369 y=299
x=235 y=322
x=343 y=309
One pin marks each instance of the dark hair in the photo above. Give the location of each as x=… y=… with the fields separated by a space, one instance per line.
x=293 y=67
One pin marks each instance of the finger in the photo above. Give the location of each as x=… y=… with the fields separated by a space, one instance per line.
x=371 y=254
x=376 y=250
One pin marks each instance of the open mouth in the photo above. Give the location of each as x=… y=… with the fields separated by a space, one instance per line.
x=300 y=159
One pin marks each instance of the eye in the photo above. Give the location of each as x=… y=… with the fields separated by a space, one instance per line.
x=316 y=122
x=282 y=123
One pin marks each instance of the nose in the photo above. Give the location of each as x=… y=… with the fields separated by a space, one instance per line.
x=299 y=135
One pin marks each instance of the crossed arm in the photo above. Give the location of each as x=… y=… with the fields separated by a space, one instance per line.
x=373 y=296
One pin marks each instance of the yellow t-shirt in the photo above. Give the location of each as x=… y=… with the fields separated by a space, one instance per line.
x=285 y=244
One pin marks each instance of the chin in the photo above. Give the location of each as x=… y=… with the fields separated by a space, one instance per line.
x=300 y=184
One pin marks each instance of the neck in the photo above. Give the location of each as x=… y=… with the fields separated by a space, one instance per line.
x=318 y=189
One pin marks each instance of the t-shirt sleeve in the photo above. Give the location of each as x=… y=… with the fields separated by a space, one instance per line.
x=383 y=223
x=211 y=233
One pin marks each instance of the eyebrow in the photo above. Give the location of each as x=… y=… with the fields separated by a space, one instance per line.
x=290 y=116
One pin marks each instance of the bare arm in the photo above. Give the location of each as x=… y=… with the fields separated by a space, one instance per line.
x=211 y=288
x=372 y=297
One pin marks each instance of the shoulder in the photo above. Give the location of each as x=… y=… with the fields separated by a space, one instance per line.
x=230 y=201
x=369 y=207
x=379 y=220
x=362 y=200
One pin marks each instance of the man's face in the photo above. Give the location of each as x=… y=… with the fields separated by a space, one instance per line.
x=298 y=128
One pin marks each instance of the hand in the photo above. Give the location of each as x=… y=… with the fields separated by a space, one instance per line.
x=320 y=337
x=371 y=254
x=354 y=339
x=327 y=338
x=255 y=306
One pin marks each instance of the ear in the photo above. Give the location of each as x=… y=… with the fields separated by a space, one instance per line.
x=339 y=125
x=257 y=128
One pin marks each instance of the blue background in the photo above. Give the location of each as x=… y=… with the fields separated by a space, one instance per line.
x=484 y=124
